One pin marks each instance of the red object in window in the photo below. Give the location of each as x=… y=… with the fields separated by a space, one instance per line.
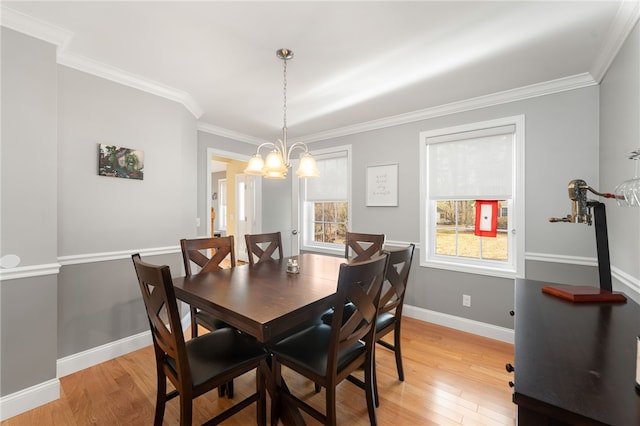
x=486 y=218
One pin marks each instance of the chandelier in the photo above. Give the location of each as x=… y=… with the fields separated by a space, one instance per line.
x=278 y=160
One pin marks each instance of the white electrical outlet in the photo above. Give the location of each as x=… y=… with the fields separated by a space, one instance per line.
x=466 y=300
x=197 y=221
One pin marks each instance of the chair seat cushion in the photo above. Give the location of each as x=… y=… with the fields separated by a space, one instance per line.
x=384 y=320
x=327 y=317
x=309 y=348
x=209 y=321
x=218 y=352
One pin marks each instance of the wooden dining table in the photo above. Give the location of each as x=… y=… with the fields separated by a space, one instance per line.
x=265 y=300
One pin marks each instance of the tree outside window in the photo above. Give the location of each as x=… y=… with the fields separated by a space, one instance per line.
x=330 y=222
x=455 y=232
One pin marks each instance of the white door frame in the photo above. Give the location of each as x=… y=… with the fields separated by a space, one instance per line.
x=257 y=220
x=245 y=213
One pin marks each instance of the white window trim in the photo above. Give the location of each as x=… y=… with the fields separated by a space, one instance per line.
x=335 y=249
x=517 y=216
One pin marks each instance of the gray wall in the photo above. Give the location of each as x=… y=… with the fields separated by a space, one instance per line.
x=276 y=209
x=561 y=144
x=619 y=135
x=28 y=309
x=55 y=208
x=100 y=301
x=102 y=214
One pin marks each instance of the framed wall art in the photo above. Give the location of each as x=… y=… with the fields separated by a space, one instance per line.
x=117 y=161
x=382 y=185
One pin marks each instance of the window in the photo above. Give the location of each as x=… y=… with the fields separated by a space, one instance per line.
x=325 y=202
x=330 y=221
x=459 y=167
x=455 y=232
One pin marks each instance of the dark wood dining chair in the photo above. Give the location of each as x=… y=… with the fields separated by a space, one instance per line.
x=207 y=254
x=359 y=246
x=263 y=246
x=392 y=301
x=201 y=364
x=327 y=354
x=364 y=246
x=390 y=308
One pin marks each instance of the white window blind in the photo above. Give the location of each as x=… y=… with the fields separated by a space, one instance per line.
x=332 y=184
x=471 y=165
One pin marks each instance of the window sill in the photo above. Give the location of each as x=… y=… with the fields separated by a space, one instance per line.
x=472 y=269
x=337 y=251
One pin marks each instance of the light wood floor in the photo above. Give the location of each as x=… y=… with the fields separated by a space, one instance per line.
x=451 y=378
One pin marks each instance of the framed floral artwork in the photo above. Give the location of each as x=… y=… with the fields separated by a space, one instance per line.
x=117 y=161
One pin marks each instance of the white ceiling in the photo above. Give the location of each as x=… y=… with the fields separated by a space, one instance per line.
x=355 y=62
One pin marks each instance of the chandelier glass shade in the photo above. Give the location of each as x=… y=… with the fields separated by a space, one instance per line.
x=278 y=160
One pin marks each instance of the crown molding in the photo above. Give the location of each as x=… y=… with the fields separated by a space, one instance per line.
x=125 y=78
x=626 y=18
x=61 y=38
x=231 y=134
x=512 y=95
x=36 y=28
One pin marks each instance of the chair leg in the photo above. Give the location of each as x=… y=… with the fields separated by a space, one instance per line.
x=261 y=409
x=229 y=386
x=275 y=399
x=194 y=325
x=370 y=390
x=398 y=352
x=186 y=405
x=316 y=387
x=375 y=383
x=161 y=399
x=331 y=405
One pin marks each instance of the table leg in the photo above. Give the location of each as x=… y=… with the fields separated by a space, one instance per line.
x=290 y=415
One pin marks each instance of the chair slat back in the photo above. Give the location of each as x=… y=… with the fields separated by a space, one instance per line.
x=363 y=246
x=263 y=246
x=160 y=302
x=360 y=283
x=193 y=251
x=396 y=279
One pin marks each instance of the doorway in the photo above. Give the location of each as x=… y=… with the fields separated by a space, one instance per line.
x=242 y=198
x=245 y=216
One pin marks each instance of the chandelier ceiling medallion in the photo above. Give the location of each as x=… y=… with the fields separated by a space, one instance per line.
x=278 y=160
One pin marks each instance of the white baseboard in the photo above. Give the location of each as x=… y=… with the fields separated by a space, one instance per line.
x=28 y=399
x=470 y=326
x=80 y=361
x=89 y=358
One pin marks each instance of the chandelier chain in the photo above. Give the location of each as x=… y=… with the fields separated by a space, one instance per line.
x=284 y=93
x=278 y=161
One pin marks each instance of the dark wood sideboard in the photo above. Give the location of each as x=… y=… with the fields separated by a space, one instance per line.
x=575 y=363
